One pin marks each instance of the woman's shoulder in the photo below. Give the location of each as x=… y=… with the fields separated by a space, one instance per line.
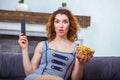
x=40 y=46
x=41 y=43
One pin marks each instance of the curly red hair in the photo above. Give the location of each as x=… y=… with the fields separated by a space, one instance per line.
x=73 y=28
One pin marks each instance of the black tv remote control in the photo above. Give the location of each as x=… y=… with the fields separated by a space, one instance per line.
x=23 y=29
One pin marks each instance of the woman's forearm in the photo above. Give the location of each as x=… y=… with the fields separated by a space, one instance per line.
x=23 y=42
x=77 y=73
x=26 y=62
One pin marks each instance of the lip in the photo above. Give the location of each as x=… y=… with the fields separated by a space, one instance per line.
x=60 y=30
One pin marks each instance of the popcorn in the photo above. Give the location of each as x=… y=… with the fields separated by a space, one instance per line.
x=83 y=51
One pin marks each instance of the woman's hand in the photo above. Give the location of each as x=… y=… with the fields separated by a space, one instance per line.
x=23 y=41
x=84 y=58
x=84 y=53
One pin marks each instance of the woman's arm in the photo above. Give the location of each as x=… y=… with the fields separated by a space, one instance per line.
x=77 y=72
x=29 y=66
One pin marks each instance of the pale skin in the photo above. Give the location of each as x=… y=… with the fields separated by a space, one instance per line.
x=61 y=25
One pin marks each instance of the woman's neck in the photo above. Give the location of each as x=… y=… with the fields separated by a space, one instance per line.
x=62 y=44
x=58 y=38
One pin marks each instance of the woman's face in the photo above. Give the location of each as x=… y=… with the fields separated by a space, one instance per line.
x=61 y=24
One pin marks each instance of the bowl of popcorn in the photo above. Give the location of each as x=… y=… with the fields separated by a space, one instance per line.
x=83 y=51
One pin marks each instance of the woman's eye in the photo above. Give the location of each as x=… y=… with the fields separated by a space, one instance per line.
x=56 y=21
x=65 y=21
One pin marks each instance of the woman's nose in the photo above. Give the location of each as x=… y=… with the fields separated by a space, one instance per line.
x=61 y=24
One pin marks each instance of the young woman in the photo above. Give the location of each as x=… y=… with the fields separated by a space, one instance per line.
x=55 y=58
